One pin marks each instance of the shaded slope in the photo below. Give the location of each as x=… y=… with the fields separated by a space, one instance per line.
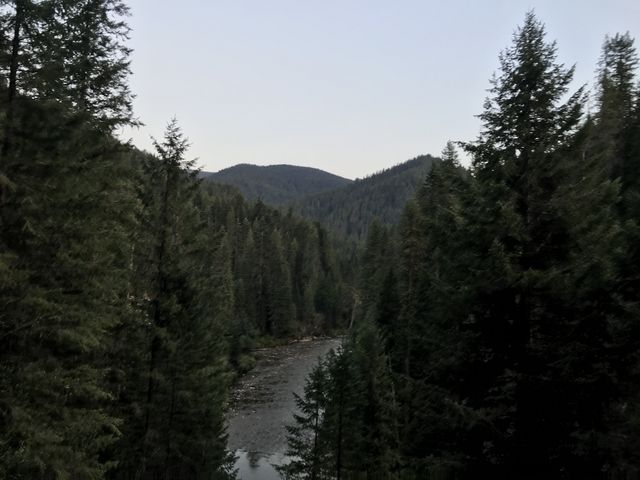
x=277 y=185
x=351 y=209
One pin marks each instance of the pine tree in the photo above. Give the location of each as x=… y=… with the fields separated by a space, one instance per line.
x=340 y=419
x=92 y=32
x=615 y=104
x=377 y=260
x=430 y=356
x=65 y=214
x=245 y=324
x=307 y=446
x=329 y=294
x=527 y=166
x=388 y=309
x=64 y=234
x=184 y=289
x=72 y=52
x=280 y=314
x=613 y=138
x=304 y=268
x=376 y=442
x=347 y=424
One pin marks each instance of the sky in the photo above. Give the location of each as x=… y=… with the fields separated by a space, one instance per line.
x=347 y=86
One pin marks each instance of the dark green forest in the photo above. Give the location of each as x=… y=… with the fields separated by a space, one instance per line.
x=345 y=207
x=380 y=197
x=498 y=331
x=131 y=291
x=493 y=332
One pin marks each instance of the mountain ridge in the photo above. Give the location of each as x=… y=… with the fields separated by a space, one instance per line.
x=278 y=185
x=345 y=206
x=380 y=196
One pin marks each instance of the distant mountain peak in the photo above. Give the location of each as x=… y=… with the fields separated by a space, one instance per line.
x=345 y=206
x=277 y=185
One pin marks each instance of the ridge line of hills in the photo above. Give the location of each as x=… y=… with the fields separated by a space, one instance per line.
x=345 y=206
x=277 y=185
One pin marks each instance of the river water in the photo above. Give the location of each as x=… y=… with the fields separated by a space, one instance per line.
x=262 y=404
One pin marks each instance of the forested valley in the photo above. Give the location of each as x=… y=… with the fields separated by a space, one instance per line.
x=346 y=208
x=131 y=291
x=493 y=332
x=498 y=334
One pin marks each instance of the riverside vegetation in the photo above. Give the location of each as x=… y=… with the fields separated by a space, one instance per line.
x=129 y=290
x=498 y=335
x=494 y=330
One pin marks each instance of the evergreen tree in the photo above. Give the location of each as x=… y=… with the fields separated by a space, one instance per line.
x=340 y=416
x=512 y=345
x=615 y=104
x=70 y=52
x=388 y=309
x=65 y=218
x=88 y=65
x=540 y=348
x=376 y=442
x=613 y=139
x=280 y=314
x=305 y=437
x=184 y=288
x=64 y=242
x=377 y=261
x=347 y=423
x=429 y=358
x=329 y=286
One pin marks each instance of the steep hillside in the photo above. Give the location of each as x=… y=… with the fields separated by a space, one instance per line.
x=277 y=185
x=351 y=209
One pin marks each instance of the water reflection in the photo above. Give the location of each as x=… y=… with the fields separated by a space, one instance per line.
x=263 y=403
x=258 y=466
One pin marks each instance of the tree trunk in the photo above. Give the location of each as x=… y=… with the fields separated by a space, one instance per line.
x=11 y=98
x=13 y=77
x=339 y=442
x=170 y=425
x=157 y=317
x=314 y=468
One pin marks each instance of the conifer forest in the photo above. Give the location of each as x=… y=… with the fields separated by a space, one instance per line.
x=487 y=298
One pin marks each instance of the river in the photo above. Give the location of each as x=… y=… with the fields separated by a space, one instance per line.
x=262 y=404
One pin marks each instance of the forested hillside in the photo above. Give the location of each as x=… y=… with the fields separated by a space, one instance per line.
x=492 y=332
x=344 y=207
x=287 y=278
x=277 y=185
x=499 y=327
x=130 y=291
x=351 y=209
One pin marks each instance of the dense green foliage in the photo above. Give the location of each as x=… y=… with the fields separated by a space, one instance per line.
x=129 y=289
x=351 y=209
x=345 y=427
x=344 y=207
x=277 y=185
x=287 y=278
x=170 y=371
x=495 y=324
x=64 y=218
x=502 y=317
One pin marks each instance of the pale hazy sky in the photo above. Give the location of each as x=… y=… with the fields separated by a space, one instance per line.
x=348 y=86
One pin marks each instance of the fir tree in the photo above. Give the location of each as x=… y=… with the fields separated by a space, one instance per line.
x=526 y=165
x=65 y=203
x=615 y=98
x=184 y=288
x=65 y=241
x=305 y=437
x=280 y=314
